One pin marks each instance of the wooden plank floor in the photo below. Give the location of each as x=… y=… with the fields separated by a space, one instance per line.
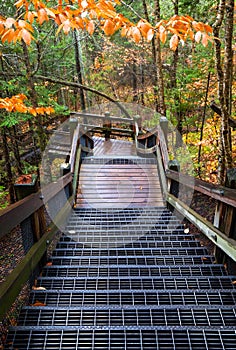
x=112 y=185
x=113 y=147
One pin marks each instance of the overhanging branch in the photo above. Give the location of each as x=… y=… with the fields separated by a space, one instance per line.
x=87 y=88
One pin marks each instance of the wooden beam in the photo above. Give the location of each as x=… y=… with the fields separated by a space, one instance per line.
x=228 y=245
x=11 y=287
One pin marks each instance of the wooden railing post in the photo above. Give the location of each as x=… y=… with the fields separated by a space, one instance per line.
x=73 y=126
x=173 y=186
x=164 y=126
x=225 y=217
x=107 y=126
x=33 y=227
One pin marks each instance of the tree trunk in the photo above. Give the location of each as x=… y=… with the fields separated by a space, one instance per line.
x=79 y=66
x=154 y=60
x=224 y=74
x=6 y=155
x=161 y=90
x=41 y=136
x=134 y=82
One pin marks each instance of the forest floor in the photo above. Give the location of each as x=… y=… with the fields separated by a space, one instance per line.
x=12 y=252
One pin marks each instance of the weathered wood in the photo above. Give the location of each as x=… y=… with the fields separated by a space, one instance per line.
x=17 y=212
x=119 y=185
x=11 y=287
x=228 y=245
x=223 y=194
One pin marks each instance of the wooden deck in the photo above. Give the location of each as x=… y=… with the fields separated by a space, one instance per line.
x=118 y=179
x=113 y=147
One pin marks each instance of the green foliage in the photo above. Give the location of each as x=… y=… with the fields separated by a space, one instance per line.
x=3 y=197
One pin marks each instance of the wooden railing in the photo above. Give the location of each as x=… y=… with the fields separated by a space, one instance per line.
x=27 y=214
x=222 y=231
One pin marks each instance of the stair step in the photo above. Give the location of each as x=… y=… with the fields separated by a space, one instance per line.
x=125 y=316
x=134 y=297
x=132 y=260
x=130 y=338
x=137 y=282
x=75 y=249
x=133 y=270
x=125 y=241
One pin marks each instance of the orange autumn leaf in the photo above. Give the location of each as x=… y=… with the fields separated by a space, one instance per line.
x=163 y=34
x=174 y=42
x=136 y=35
x=38 y=303
x=26 y=36
x=109 y=27
x=91 y=27
x=42 y=16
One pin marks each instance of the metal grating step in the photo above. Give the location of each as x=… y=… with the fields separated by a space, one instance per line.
x=118 y=160
x=125 y=243
x=132 y=260
x=133 y=270
x=77 y=249
x=125 y=339
x=175 y=298
x=159 y=283
x=128 y=316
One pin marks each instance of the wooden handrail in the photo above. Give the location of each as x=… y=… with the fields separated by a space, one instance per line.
x=14 y=214
x=222 y=194
x=74 y=147
x=102 y=117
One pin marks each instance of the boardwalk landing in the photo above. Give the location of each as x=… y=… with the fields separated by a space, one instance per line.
x=119 y=179
x=127 y=278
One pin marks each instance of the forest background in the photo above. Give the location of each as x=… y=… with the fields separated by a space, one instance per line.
x=176 y=57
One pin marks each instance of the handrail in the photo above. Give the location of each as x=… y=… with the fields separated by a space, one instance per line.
x=102 y=117
x=228 y=245
x=220 y=193
x=74 y=147
x=14 y=214
x=11 y=287
x=29 y=207
x=223 y=195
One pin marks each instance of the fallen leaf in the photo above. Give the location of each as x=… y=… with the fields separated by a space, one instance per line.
x=38 y=288
x=49 y=263
x=38 y=303
x=186 y=230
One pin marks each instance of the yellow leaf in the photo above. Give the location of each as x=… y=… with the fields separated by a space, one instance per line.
x=38 y=288
x=174 y=41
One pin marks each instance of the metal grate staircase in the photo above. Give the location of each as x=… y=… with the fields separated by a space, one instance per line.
x=129 y=279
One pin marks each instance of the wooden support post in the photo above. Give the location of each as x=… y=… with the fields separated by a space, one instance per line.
x=33 y=227
x=173 y=186
x=225 y=217
x=73 y=126
x=164 y=127
x=107 y=126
